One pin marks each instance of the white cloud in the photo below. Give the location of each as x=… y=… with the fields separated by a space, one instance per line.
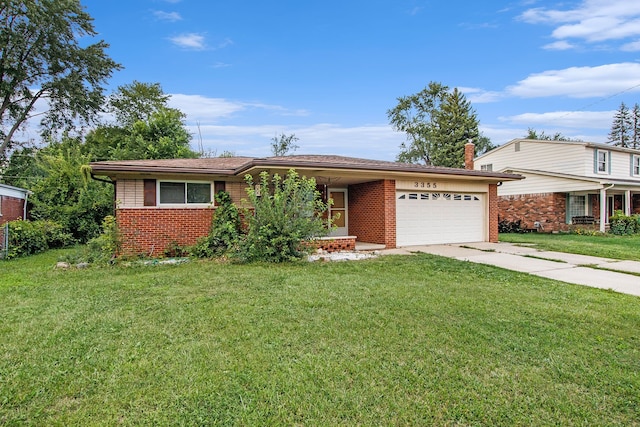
x=580 y=82
x=559 y=45
x=167 y=16
x=563 y=119
x=631 y=47
x=369 y=141
x=591 y=20
x=202 y=108
x=189 y=41
x=480 y=96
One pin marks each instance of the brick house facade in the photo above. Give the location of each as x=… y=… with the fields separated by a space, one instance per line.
x=567 y=184
x=149 y=226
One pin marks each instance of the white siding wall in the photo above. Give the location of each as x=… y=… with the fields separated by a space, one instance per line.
x=561 y=158
x=534 y=184
x=130 y=193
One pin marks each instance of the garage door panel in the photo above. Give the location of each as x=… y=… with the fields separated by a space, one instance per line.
x=439 y=217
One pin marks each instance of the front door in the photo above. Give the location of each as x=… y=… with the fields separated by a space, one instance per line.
x=338 y=212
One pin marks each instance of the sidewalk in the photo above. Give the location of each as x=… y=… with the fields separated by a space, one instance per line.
x=570 y=268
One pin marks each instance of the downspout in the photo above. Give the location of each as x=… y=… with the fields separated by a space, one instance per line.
x=603 y=207
x=24 y=208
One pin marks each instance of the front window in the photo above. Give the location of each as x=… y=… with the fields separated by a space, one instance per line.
x=577 y=205
x=180 y=193
x=635 y=165
x=602 y=161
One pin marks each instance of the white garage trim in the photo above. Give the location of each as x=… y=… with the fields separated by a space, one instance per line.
x=425 y=218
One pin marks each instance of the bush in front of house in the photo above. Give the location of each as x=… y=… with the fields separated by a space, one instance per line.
x=226 y=229
x=287 y=213
x=104 y=248
x=624 y=225
x=32 y=237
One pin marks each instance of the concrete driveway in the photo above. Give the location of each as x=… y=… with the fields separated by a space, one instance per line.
x=570 y=268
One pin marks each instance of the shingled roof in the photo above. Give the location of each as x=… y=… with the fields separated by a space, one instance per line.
x=234 y=166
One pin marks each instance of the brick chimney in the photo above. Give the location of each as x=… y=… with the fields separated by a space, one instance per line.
x=469 y=154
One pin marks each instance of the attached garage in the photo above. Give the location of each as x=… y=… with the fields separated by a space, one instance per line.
x=437 y=217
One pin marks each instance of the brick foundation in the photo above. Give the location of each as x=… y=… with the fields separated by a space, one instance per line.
x=372 y=212
x=547 y=208
x=151 y=231
x=337 y=244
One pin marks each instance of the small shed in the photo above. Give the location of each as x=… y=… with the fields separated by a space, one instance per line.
x=13 y=203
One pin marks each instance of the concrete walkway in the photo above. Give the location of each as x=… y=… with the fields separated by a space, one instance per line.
x=570 y=268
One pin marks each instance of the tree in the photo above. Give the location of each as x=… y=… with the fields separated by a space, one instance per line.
x=145 y=127
x=533 y=134
x=438 y=123
x=622 y=127
x=136 y=102
x=287 y=213
x=64 y=195
x=41 y=59
x=414 y=115
x=635 y=126
x=284 y=144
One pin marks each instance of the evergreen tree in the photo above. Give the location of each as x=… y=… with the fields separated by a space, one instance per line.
x=621 y=128
x=438 y=124
x=635 y=127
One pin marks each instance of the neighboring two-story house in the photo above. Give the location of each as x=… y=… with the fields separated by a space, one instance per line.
x=565 y=182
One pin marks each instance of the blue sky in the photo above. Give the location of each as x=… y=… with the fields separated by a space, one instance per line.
x=246 y=70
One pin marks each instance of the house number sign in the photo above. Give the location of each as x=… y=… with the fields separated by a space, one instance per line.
x=423 y=184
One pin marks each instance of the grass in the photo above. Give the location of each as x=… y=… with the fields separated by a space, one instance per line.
x=405 y=340
x=607 y=245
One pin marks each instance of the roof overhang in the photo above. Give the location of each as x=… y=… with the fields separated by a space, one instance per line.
x=329 y=168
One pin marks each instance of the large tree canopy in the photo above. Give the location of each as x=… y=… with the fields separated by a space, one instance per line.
x=438 y=122
x=145 y=127
x=41 y=59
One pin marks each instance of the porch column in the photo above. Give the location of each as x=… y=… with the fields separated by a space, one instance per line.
x=627 y=202
x=603 y=210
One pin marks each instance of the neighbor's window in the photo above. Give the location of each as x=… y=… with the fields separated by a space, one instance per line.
x=635 y=165
x=180 y=193
x=602 y=162
x=487 y=168
x=577 y=205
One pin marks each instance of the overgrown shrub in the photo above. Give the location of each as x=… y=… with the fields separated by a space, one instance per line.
x=103 y=249
x=505 y=226
x=623 y=225
x=32 y=237
x=225 y=230
x=287 y=213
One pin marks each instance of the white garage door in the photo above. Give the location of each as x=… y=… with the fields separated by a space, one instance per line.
x=434 y=218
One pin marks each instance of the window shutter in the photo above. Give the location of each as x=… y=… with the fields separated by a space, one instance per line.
x=609 y=162
x=219 y=186
x=567 y=206
x=631 y=168
x=150 y=192
x=595 y=161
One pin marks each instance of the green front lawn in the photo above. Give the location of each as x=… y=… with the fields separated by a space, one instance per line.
x=607 y=245
x=403 y=340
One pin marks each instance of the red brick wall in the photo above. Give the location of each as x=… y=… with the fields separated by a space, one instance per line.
x=548 y=208
x=12 y=209
x=151 y=231
x=337 y=244
x=493 y=213
x=372 y=212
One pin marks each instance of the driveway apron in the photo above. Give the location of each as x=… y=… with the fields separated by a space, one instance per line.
x=569 y=268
